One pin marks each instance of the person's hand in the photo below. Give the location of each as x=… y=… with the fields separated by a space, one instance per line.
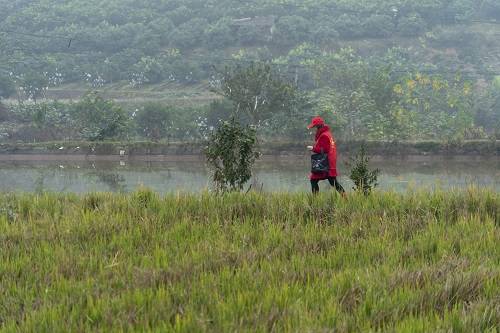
x=310 y=148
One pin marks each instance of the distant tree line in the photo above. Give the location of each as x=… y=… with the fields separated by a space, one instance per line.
x=101 y=42
x=361 y=100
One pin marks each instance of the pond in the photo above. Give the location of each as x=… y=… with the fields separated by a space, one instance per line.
x=283 y=174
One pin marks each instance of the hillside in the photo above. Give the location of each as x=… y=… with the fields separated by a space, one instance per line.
x=148 y=42
x=381 y=70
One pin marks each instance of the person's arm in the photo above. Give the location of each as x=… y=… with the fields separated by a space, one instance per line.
x=322 y=145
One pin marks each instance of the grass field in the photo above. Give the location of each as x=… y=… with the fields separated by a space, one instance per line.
x=414 y=262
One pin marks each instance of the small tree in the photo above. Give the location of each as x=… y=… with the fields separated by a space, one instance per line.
x=365 y=180
x=258 y=93
x=231 y=154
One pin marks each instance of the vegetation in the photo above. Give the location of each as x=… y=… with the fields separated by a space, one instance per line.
x=364 y=179
x=231 y=153
x=364 y=102
x=258 y=94
x=147 y=41
x=339 y=54
x=413 y=262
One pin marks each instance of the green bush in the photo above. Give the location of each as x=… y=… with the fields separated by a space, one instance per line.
x=364 y=179
x=231 y=154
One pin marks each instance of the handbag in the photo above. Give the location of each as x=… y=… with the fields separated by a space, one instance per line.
x=320 y=163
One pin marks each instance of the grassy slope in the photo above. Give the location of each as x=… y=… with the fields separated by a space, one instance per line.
x=409 y=263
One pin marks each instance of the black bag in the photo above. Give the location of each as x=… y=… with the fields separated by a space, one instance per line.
x=320 y=163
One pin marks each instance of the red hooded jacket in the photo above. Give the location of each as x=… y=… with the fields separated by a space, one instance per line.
x=326 y=143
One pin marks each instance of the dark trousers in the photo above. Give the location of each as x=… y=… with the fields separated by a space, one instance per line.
x=333 y=181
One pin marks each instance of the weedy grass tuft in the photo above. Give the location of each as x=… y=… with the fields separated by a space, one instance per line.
x=403 y=262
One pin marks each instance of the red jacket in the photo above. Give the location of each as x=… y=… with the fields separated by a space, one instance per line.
x=326 y=143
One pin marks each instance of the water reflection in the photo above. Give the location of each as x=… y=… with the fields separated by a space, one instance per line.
x=271 y=175
x=116 y=182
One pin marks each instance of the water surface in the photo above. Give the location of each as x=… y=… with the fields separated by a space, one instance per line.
x=275 y=175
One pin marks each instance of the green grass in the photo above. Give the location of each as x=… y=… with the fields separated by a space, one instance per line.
x=414 y=262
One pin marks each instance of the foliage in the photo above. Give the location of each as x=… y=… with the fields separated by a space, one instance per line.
x=219 y=34
x=391 y=262
x=34 y=85
x=324 y=32
x=378 y=26
x=291 y=30
x=411 y=25
x=168 y=41
x=440 y=108
x=7 y=87
x=364 y=179
x=258 y=92
x=154 y=121
x=370 y=100
x=99 y=119
x=231 y=154
x=220 y=110
x=487 y=113
x=4 y=114
x=359 y=95
x=189 y=34
x=108 y=38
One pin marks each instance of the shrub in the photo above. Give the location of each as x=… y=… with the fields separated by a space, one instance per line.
x=365 y=180
x=231 y=154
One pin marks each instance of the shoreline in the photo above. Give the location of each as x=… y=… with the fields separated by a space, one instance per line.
x=193 y=151
x=200 y=158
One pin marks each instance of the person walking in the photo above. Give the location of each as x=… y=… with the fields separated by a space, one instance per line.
x=325 y=144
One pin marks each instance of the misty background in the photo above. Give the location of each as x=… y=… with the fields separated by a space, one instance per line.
x=149 y=70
